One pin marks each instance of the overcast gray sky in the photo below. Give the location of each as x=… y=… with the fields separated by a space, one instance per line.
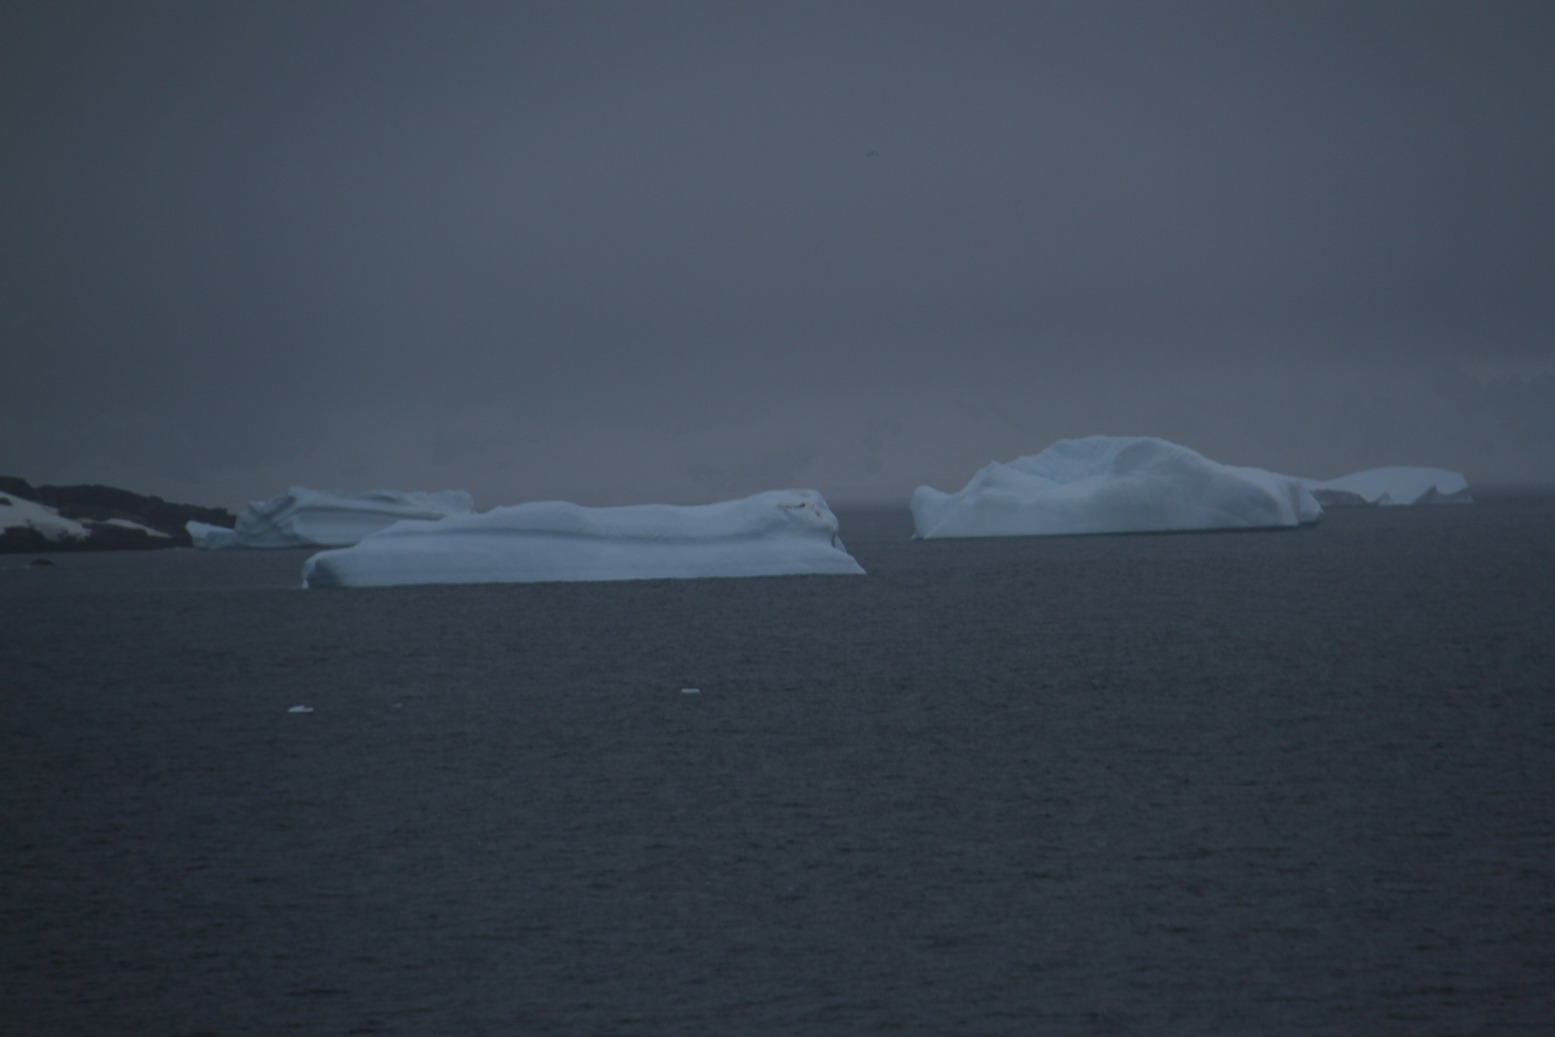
x=667 y=251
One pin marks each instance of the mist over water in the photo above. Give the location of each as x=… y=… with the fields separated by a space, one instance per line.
x=1284 y=782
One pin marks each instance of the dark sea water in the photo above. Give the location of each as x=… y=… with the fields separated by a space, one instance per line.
x=1246 y=783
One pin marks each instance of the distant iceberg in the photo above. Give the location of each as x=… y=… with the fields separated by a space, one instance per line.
x=1390 y=486
x=778 y=533
x=321 y=518
x=1113 y=484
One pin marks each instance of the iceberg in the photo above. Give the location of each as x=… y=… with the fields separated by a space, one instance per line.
x=778 y=533
x=1113 y=484
x=301 y=517
x=1399 y=484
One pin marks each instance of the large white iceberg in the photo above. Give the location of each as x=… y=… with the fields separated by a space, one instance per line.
x=1400 y=484
x=1112 y=484
x=301 y=517
x=779 y=533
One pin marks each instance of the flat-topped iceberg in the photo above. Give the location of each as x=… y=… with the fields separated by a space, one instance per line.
x=301 y=517
x=1112 y=484
x=1399 y=484
x=778 y=533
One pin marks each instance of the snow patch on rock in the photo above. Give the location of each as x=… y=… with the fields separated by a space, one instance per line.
x=1394 y=485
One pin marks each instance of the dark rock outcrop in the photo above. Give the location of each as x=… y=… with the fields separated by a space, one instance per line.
x=25 y=540
x=96 y=507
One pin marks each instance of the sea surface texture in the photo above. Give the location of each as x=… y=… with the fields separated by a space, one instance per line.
x=1236 y=783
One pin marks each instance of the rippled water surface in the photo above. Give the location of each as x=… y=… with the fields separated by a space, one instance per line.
x=1185 y=784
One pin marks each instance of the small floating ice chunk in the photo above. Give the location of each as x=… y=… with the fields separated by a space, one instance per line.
x=690 y=691
x=300 y=709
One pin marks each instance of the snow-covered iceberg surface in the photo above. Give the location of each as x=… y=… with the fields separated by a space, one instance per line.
x=778 y=533
x=1112 y=484
x=320 y=518
x=1399 y=484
